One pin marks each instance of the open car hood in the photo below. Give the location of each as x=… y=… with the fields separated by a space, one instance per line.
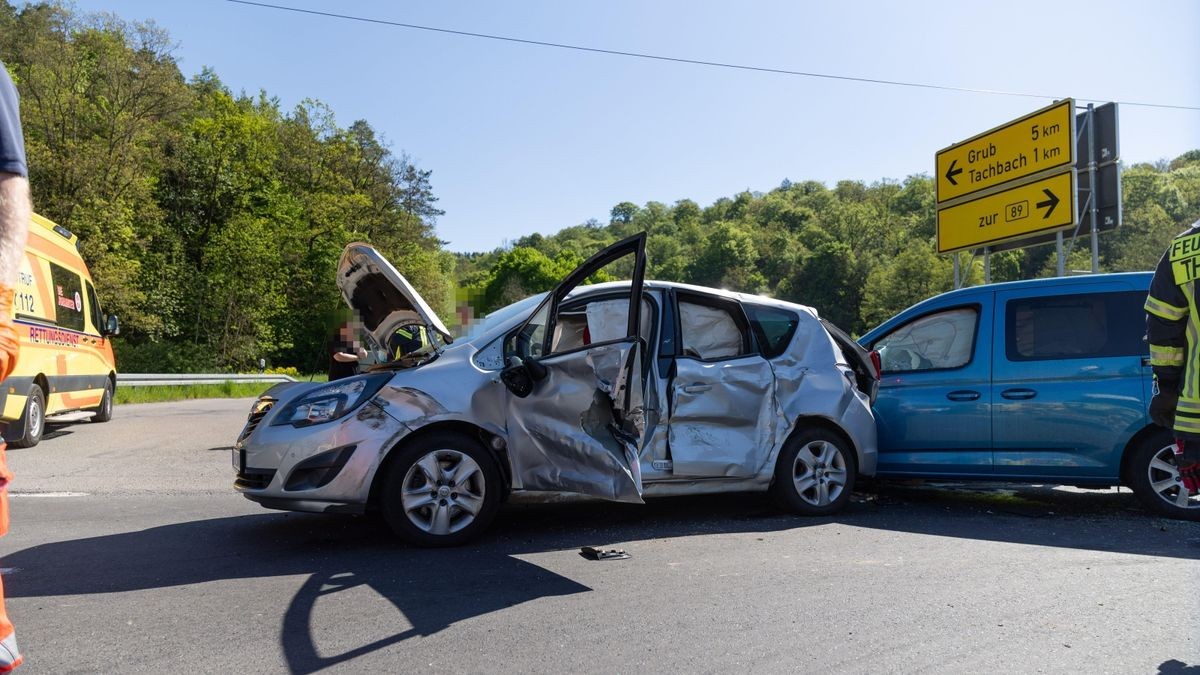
x=382 y=296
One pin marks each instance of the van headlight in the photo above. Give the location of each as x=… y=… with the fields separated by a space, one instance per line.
x=331 y=402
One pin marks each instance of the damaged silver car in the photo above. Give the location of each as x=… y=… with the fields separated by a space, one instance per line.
x=618 y=390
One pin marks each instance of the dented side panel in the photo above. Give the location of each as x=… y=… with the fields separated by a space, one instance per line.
x=724 y=417
x=806 y=388
x=563 y=436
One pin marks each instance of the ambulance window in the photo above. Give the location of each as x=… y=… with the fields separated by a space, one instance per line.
x=68 y=298
x=94 y=307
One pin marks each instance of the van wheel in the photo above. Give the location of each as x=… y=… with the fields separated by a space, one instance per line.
x=815 y=473
x=442 y=490
x=104 y=410
x=1155 y=479
x=33 y=419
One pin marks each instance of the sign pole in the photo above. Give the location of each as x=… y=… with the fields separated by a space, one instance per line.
x=987 y=265
x=1062 y=263
x=957 y=281
x=1094 y=187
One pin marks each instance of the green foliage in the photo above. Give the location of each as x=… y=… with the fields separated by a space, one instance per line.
x=211 y=221
x=164 y=393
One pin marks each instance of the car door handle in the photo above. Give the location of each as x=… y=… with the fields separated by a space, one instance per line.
x=696 y=388
x=963 y=395
x=1018 y=394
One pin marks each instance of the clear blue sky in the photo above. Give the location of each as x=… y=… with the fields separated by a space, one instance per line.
x=526 y=139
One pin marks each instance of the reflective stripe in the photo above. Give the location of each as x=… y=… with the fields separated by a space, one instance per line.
x=1166 y=356
x=1161 y=309
x=1188 y=407
x=1186 y=425
x=1192 y=369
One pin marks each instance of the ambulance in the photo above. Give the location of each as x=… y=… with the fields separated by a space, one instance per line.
x=66 y=362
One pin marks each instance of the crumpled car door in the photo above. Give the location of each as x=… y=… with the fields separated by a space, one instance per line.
x=576 y=418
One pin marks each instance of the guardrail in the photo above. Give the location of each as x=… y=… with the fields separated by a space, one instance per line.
x=157 y=379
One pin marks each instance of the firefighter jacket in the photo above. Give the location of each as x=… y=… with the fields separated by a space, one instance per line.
x=1173 y=328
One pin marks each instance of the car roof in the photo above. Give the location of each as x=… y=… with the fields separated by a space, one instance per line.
x=719 y=292
x=1139 y=279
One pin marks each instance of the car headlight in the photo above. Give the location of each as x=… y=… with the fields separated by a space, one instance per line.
x=331 y=402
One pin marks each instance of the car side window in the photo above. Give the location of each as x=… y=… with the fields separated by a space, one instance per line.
x=712 y=330
x=1085 y=325
x=580 y=325
x=936 y=341
x=774 y=327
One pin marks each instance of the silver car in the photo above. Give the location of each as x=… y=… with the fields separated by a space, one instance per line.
x=686 y=390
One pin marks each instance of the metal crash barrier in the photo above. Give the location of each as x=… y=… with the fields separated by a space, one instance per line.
x=157 y=379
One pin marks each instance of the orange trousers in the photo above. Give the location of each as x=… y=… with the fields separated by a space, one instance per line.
x=9 y=350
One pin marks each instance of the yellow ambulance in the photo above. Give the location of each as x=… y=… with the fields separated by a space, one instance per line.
x=66 y=362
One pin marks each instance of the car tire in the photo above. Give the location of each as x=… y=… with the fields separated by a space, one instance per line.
x=1155 y=480
x=33 y=419
x=103 y=412
x=441 y=490
x=815 y=473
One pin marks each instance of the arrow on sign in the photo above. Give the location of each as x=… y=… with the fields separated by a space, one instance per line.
x=952 y=172
x=1051 y=202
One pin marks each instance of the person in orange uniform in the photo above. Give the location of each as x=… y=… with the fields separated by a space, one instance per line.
x=15 y=213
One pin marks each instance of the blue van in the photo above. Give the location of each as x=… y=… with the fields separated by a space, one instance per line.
x=1042 y=381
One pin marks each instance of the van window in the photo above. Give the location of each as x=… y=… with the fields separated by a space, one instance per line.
x=933 y=342
x=1086 y=325
x=94 y=308
x=773 y=327
x=68 y=298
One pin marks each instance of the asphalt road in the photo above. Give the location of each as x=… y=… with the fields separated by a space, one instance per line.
x=129 y=552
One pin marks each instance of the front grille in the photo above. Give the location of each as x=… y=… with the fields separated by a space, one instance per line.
x=261 y=408
x=254 y=479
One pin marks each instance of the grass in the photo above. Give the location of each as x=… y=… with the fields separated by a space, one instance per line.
x=164 y=393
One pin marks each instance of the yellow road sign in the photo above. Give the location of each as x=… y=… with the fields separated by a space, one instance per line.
x=1037 y=142
x=1043 y=205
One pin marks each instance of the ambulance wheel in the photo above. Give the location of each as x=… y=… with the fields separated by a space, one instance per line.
x=104 y=410
x=33 y=419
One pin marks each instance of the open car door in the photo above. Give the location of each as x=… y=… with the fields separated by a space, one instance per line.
x=575 y=413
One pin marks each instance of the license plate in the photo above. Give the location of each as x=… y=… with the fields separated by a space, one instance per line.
x=238 y=460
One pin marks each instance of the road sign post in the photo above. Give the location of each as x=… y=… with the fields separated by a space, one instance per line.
x=1027 y=181
x=1030 y=145
x=1008 y=213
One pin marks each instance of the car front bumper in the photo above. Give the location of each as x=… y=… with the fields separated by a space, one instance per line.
x=320 y=468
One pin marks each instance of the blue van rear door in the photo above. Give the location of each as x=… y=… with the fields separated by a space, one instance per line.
x=1067 y=386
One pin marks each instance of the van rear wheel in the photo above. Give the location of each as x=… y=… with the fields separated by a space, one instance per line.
x=104 y=410
x=33 y=419
x=1155 y=479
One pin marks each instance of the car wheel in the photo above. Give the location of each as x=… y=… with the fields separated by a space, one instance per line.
x=104 y=410
x=33 y=419
x=1154 y=478
x=442 y=490
x=814 y=475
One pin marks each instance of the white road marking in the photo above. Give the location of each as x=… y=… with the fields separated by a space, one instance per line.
x=49 y=494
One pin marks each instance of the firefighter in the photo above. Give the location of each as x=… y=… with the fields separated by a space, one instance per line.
x=407 y=340
x=1173 y=329
x=15 y=213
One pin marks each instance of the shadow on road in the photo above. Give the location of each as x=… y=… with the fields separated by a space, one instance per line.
x=341 y=553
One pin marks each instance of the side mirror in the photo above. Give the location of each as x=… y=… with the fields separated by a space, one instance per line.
x=111 y=326
x=520 y=376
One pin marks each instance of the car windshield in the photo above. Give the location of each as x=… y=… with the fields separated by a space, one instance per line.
x=503 y=315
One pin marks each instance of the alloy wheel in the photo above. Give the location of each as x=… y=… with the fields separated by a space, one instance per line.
x=819 y=473
x=1165 y=481
x=443 y=492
